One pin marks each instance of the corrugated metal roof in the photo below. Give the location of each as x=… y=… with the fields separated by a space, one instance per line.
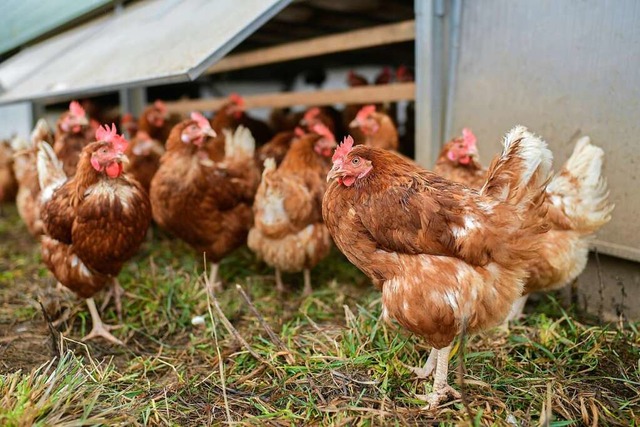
x=24 y=20
x=151 y=42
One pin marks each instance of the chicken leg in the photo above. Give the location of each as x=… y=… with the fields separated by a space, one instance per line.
x=517 y=308
x=307 y=290
x=279 y=284
x=428 y=367
x=63 y=289
x=214 y=282
x=441 y=389
x=115 y=291
x=99 y=329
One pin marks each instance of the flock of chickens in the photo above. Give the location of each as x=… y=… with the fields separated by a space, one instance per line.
x=456 y=249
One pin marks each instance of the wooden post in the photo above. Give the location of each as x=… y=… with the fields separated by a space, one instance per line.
x=357 y=39
x=355 y=95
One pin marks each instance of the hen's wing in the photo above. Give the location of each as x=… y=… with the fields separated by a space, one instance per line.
x=426 y=210
x=55 y=195
x=58 y=214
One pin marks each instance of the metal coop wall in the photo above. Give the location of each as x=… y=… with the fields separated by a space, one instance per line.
x=563 y=68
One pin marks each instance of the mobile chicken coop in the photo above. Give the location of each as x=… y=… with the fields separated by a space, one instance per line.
x=562 y=68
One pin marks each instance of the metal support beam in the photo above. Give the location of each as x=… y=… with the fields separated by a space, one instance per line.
x=429 y=79
x=133 y=100
x=452 y=69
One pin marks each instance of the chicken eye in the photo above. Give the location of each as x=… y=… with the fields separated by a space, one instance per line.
x=355 y=160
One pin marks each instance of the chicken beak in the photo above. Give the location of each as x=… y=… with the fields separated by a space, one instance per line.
x=335 y=172
x=354 y=123
x=122 y=158
x=471 y=152
x=83 y=121
x=210 y=132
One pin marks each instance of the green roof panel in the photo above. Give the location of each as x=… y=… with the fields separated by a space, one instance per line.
x=24 y=20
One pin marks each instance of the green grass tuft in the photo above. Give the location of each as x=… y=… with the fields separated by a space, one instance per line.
x=332 y=361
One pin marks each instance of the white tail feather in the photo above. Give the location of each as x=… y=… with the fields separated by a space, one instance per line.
x=50 y=172
x=239 y=144
x=579 y=188
x=18 y=143
x=535 y=154
x=530 y=156
x=269 y=165
x=41 y=128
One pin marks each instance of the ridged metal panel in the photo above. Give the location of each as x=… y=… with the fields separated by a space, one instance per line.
x=23 y=20
x=150 y=42
x=561 y=68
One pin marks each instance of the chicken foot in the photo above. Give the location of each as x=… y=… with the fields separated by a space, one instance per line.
x=428 y=367
x=116 y=292
x=100 y=329
x=441 y=388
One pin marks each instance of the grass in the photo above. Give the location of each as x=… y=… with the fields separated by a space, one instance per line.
x=324 y=359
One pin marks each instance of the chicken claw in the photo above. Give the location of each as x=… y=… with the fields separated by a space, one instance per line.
x=99 y=328
x=435 y=398
x=442 y=391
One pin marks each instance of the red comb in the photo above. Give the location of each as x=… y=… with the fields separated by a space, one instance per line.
x=343 y=149
x=311 y=113
x=403 y=74
x=384 y=76
x=324 y=131
x=76 y=109
x=236 y=99
x=160 y=106
x=365 y=112
x=469 y=137
x=298 y=131
x=111 y=135
x=202 y=121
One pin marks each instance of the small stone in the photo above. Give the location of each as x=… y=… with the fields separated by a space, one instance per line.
x=198 y=320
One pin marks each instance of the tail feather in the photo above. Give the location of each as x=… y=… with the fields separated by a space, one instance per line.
x=18 y=144
x=41 y=132
x=50 y=172
x=267 y=173
x=522 y=171
x=239 y=144
x=269 y=166
x=580 y=190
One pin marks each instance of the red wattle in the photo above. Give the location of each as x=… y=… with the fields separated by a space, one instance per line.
x=348 y=180
x=114 y=169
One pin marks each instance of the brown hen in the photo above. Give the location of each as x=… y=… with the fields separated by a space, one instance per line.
x=202 y=200
x=93 y=222
x=444 y=255
x=288 y=232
